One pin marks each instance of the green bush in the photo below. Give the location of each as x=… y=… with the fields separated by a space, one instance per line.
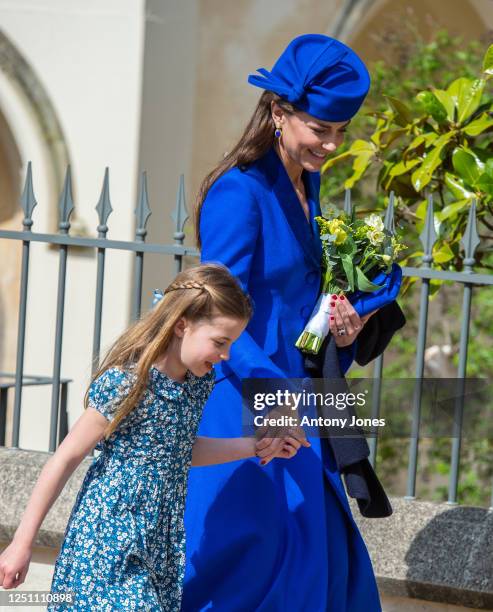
x=426 y=128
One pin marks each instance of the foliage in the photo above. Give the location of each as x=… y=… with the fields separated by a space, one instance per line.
x=353 y=249
x=441 y=144
x=476 y=468
x=419 y=97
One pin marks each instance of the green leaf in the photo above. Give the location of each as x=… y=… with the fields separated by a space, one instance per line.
x=435 y=285
x=451 y=210
x=402 y=111
x=488 y=61
x=347 y=264
x=456 y=186
x=442 y=254
x=403 y=167
x=348 y=247
x=421 y=209
x=423 y=175
x=446 y=100
x=466 y=165
x=485 y=183
x=360 y=164
x=358 y=146
x=466 y=95
x=361 y=146
x=415 y=255
x=479 y=125
x=426 y=139
x=432 y=105
x=488 y=166
x=477 y=155
x=389 y=136
x=335 y=160
x=363 y=282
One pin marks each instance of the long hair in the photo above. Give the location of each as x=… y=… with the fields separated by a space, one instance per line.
x=256 y=140
x=198 y=293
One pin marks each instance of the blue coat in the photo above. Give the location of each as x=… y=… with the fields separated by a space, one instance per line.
x=280 y=537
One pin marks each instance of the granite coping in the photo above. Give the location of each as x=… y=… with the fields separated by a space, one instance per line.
x=431 y=551
x=19 y=470
x=425 y=550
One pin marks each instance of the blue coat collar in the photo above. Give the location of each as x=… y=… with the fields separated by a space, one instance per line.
x=306 y=233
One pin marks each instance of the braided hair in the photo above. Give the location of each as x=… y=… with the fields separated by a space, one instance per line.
x=198 y=293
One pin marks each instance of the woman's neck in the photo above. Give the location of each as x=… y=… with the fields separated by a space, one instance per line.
x=293 y=169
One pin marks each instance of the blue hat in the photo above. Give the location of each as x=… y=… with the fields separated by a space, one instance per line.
x=319 y=75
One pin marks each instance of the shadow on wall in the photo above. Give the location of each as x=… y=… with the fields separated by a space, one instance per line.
x=451 y=559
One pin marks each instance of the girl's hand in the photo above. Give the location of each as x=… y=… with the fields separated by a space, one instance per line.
x=14 y=563
x=345 y=317
x=282 y=448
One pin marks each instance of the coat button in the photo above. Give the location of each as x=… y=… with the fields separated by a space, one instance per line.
x=311 y=278
x=306 y=311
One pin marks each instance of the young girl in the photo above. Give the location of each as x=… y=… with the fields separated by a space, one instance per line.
x=124 y=546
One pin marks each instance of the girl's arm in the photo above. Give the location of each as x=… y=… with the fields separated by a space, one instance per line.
x=83 y=437
x=210 y=451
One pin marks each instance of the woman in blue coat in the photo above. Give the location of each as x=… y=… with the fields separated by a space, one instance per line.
x=279 y=537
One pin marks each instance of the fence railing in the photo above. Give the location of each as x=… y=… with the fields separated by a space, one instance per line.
x=468 y=278
x=7 y=382
x=101 y=244
x=425 y=273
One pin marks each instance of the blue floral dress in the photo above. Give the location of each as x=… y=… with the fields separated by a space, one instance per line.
x=124 y=546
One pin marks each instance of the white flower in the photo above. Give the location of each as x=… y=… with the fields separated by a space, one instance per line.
x=331 y=211
x=375 y=236
x=374 y=222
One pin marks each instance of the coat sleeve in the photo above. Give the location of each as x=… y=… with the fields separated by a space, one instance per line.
x=230 y=227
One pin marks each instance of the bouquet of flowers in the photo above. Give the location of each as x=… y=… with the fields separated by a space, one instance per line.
x=356 y=254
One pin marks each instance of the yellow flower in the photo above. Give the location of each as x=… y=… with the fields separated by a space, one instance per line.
x=336 y=230
x=341 y=236
x=334 y=225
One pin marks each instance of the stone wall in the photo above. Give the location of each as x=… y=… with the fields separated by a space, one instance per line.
x=424 y=551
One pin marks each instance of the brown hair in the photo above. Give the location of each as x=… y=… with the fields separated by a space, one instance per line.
x=197 y=293
x=256 y=140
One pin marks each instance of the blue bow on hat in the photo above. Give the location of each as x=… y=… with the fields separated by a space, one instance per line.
x=319 y=75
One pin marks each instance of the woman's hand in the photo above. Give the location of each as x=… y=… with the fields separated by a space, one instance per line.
x=282 y=448
x=14 y=563
x=344 y=317
x=280 y=441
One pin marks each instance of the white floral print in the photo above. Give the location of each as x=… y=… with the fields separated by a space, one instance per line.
x=124 y=546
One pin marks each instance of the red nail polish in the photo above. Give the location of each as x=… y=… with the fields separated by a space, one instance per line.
x=334 y=296
x=342 y=297
x=332 y=304
x=262 y=463
x=332 y=318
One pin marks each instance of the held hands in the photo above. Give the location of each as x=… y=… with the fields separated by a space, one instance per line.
x=282 y=448
x=281 y=442
x=14 y=563
x=344 y=318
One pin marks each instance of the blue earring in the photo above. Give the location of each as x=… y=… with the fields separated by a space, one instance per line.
x=278 y=132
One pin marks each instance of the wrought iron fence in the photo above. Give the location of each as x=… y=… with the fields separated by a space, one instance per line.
x=468 y=279
x=100 y=244
x=425 y=273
